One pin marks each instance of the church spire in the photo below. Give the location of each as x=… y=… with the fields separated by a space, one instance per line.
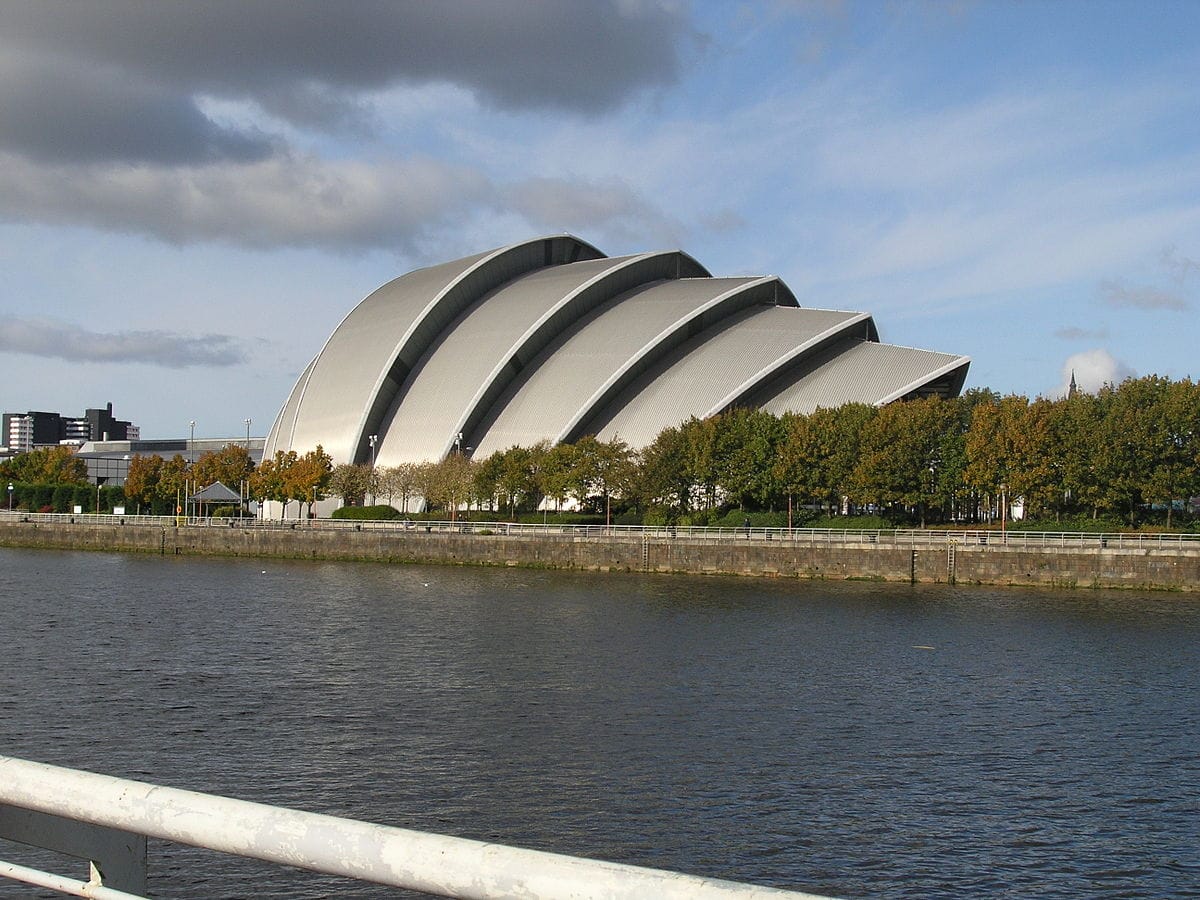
x=1073 y=389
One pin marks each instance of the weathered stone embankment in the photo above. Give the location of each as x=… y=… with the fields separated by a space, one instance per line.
x=1169 y=567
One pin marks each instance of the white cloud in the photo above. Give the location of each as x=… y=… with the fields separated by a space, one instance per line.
x=1092 y=370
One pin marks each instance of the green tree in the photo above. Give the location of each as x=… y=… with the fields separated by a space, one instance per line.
x=351 y=483
x=746 y=444
x=46 y=465
x=141 y=482
x=701 y=458
x=1175 y=433
x=306 y=479
x=486 y=479
x=992 y=449
x=270 y=480
x=554 y=473
x=516 y=472
x=448 y=483
x=231 y=465
x=1079 y=424
x=604 y=470
x=902 y=456
x=663 y=478
x=819 y=452
x=397 y=481
x=172 y=485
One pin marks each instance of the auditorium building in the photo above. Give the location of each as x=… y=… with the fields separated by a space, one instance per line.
x=549 y=339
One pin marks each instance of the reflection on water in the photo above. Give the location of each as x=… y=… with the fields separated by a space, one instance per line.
x=852 y=739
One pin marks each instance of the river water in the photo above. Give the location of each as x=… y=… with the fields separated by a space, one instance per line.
x=854 y=739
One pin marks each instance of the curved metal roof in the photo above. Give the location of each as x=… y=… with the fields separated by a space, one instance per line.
x=605 y=351
x=548 y=339
x=453 y=386
x=865 y=372
x=718 y=367
x=351 y=383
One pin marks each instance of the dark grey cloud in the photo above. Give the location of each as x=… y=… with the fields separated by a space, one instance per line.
x=66 y=111
x=276 y=202
x=106 y=109
x=60 y=340
x=1117 y=293
x=292 y=201
x=310 y=61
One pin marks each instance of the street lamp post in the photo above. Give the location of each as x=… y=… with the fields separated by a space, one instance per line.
x=247 y=435
x=10 y=490
x=191 y=461
x=373 y=440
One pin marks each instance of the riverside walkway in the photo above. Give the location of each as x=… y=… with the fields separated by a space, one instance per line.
x=1158 y=561
x=898 y=537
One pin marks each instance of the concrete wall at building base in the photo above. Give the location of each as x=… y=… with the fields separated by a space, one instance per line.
x=1173 y=568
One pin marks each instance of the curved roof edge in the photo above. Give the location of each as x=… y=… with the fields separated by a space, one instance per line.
x=810 y=347
x=292 y=405
x=957 y=368
x=623 y=276
x=448 y=303
x=705 y=316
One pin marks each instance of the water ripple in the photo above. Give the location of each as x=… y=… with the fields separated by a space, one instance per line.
x=858 y=740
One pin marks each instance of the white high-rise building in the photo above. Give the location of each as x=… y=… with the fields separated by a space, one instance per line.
x=20 y=434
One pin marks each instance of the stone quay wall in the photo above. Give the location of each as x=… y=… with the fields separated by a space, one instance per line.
x=850 y=556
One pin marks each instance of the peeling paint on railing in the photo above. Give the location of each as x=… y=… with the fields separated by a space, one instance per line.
x=436 y=864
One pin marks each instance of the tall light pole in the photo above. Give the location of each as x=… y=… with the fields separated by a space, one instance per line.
x=247 y=435
x=373 y=440
x=191 y=459
x=10 y=490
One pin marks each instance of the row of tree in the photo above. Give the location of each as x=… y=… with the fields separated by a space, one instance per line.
x=518 y=479
x=1123 y=452
x=1130 y=451
x=160 y=484
x=45 y=465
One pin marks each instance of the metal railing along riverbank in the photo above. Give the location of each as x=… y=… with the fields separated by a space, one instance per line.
x=106 y=820
x=889 y=538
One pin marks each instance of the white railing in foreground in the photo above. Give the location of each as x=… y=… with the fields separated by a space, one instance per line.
x=436 y=864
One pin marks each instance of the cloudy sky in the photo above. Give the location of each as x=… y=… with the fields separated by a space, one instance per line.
x=193 y=195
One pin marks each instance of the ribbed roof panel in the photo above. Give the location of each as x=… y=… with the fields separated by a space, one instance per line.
x=549 y=340
x=716 y=366
x=863 y=372
x=354 y=377
x=476 y=359
x=595 y=352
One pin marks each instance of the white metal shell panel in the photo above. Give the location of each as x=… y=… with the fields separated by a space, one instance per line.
x=445 y=387
x=575 y=369
x=353 y=380
x=343 y=378
x=717 y=366
x=863 y=372
x=281 y=431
